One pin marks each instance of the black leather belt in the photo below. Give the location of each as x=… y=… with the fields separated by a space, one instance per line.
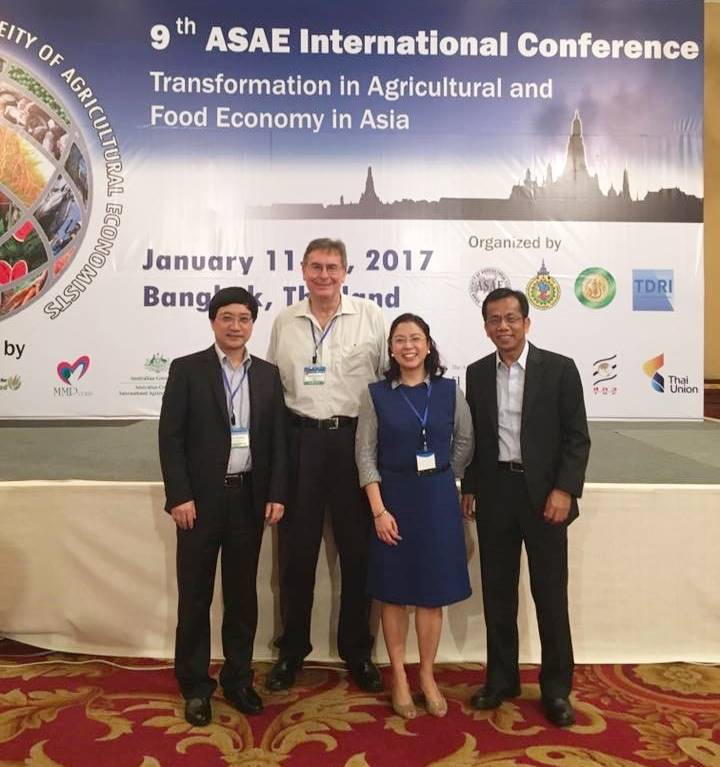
x=514 y=466
x=414 y=472
x=336 y=422
x=237 y=480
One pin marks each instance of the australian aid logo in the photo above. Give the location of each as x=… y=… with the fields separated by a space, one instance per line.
x=71 y=374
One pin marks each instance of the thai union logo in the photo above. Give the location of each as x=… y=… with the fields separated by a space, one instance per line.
x=651 y=368
x=68 y=372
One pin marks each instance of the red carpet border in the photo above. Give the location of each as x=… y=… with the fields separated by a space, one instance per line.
x=55 y=712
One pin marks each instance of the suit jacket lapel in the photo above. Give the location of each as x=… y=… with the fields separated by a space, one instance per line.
x=214 y=374
x=489 y=385
x=532 y=381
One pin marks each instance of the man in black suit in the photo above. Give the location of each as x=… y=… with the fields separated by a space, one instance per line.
x=223 y=458
x=531 y=450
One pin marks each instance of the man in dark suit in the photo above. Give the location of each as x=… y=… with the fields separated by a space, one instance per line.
x=531 y=450
x=223 y=458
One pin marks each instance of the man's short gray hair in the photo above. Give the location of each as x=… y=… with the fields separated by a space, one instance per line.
x=327 y=244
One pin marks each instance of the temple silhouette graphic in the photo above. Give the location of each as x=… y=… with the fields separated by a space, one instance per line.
x=574 y=196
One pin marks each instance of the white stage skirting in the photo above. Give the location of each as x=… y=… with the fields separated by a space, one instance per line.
x=90 y=567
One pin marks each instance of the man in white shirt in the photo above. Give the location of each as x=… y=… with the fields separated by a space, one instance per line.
x=328 y=348
x=528 y=470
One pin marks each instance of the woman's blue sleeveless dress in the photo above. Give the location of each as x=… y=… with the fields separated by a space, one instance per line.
x=428 y=567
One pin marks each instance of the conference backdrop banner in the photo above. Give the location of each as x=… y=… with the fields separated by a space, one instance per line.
x=153 y=152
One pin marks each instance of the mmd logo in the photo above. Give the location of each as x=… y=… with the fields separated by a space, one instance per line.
x=69 y=373
x=653 y=290
x=651 y=368
x=66 y=371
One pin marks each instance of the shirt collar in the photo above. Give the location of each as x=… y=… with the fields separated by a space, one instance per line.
x=302 y=308
x=246 y=360
x=396 y=382
x=521 y=360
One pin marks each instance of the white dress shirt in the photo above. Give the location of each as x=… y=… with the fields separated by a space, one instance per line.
x=510 y=383
x=353 y=353
x=240 y=459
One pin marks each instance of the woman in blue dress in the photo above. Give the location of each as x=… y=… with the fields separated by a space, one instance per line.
x=414 y=438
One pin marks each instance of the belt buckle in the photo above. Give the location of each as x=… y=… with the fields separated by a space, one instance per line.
x=333 y=422
x=516 y=467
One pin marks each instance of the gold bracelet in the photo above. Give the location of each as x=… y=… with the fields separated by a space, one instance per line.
x=379 y=514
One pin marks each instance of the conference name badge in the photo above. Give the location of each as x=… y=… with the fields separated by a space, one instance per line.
x=314 y=375
x=425 y=460
x=239 y=437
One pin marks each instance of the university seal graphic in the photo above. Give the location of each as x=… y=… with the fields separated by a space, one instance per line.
x=543 y=290
x=595 y=288
x=486 y=280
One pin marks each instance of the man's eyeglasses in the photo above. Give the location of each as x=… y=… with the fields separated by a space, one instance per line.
x=510 y=319
x=314 y=268
x=230 y=319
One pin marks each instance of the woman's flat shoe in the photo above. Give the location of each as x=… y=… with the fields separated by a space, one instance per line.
x=436 y=707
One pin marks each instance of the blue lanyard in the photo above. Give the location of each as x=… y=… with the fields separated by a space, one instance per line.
x=232 y=394
x=422 y=418
x=317 y=343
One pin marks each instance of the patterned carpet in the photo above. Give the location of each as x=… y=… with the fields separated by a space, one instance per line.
x=58 y=710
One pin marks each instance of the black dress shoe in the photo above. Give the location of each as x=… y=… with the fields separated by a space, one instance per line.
x=487 y=698
x=198 y=712
x=559 y=711
x=245 y=699
x=366 y=675
x=282 y=674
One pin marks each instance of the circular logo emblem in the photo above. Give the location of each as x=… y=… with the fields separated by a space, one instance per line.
x=485 y=281
x=44 y=188
x=543 y=290
x=595 y=287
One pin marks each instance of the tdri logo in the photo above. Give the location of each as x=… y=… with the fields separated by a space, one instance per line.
x=651 y=368
x=653 y=290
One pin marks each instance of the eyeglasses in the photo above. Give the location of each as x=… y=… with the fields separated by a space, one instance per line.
x=510 y=319
x=243 y=320
x=314 y=268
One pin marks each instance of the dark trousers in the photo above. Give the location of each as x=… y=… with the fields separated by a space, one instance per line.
x=503 y=526
x=323 y=476
x=233 y=528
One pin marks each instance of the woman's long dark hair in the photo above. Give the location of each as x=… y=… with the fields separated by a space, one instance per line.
x=432 y=362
